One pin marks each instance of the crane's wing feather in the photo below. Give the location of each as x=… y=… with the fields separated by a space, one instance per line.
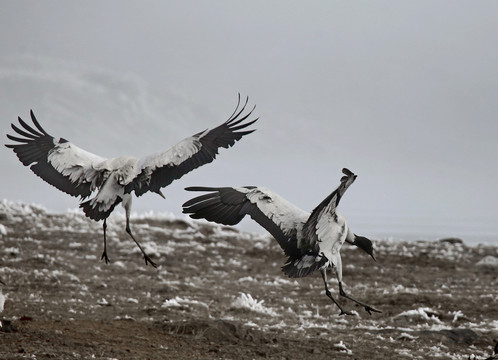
x=159 y=170
x=228 y=206
x=327 y=206
x=58 y=162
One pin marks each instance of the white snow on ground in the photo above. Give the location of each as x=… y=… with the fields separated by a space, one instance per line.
x=3 y=230
x=179 y=302
x=2 y=300
x=488 y=261
x=246 y=301
x=343 y=348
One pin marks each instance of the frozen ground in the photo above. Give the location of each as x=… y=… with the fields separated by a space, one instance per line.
x=219 y=293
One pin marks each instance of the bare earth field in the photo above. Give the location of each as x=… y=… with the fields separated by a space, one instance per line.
x=219 y=294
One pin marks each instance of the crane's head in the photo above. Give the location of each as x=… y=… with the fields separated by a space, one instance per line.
x=364 y=244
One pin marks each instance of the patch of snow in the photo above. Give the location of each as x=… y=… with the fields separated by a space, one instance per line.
x=343 y=348
x=234 y=262
x=3 y=230
x=406 y=336
x=103 y=302
x=2 y=300
x=246 y=301
x=281 y=281
x=160 y=216
x=288 y=300
x=422 y=312
x=170 y=303
x=199 y=248
x=11 y=250
x=457 y=315
x=178 y=302
x=488 y=261
x=400 y=289
x=119 y=264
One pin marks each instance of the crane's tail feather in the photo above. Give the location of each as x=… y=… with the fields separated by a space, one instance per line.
x=94 y=212
x=304 y=265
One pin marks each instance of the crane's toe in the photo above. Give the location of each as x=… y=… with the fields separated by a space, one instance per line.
x=105 y=258
x=369 y=310
x=148 y=260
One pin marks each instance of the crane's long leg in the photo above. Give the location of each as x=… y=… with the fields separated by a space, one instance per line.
x=127 y=199
x=327 y=292
x=146 y=257
x=368 y=308
x=104 y=254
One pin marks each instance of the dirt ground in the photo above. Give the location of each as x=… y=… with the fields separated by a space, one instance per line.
x=220 y=294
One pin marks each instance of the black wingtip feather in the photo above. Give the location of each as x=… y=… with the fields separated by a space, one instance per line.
x=37 y=124
x=29 y=128
x=237 y=114
x=242 y=126
x=22 y=132
x=233 y=122
x=18 y=139
x=236 y=107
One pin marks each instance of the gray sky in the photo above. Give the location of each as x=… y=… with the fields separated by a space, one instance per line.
x=405 y=94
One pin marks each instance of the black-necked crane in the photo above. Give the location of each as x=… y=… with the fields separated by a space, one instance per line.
x=81 y=173
x=310 y=241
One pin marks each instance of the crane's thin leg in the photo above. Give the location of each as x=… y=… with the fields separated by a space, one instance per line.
x=368 y=308
x=327 y=292
x=146 y=257
x=104 y=254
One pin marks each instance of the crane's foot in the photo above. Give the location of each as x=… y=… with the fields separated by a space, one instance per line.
x=370 y=309
x=105 y=258
x=148 y=260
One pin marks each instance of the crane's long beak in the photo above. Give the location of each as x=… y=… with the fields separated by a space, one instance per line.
x=373 y=257
x=161 y=193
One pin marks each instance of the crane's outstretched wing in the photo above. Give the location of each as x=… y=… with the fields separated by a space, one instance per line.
x=311 y=229
x=228 y=206
x=58 y=162
x=159 y=170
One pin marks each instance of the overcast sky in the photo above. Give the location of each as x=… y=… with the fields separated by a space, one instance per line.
x=405 y=94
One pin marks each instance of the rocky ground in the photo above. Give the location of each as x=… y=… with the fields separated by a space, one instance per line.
x=220 y=294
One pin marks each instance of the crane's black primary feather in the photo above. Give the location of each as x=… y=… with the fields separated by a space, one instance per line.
x=33 y=149
x=228 y=206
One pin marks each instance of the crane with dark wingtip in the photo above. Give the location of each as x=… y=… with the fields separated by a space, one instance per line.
x=80 y=173
x=310 y=241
